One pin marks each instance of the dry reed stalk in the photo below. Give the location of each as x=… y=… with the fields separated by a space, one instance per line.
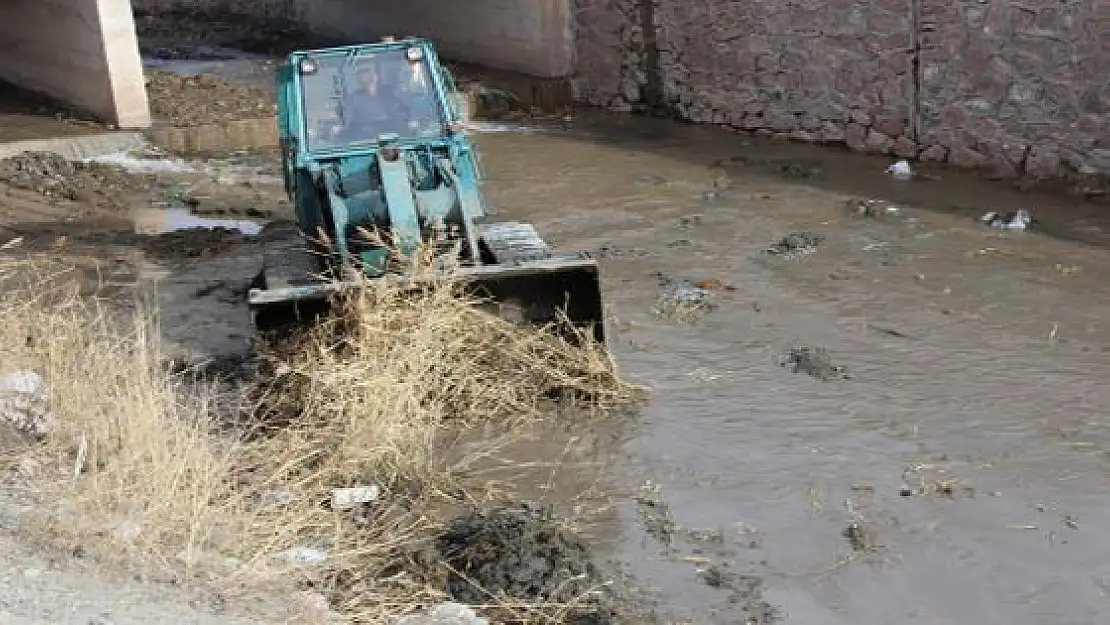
x=140 y=472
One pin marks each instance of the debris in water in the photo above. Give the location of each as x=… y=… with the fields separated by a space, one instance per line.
x=714 y=284
x=655 y=514
x=1019 y=219
x=860 y=537
x=616 y=251
x=683 y=300
x=815 y=362
x=900 y=170
x=687 y=221
x=716 y=577
x=797 y=244
x=875 y=209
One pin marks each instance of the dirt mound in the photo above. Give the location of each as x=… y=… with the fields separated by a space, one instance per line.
x=201 y=99
x=520 y=554
x=55 y=177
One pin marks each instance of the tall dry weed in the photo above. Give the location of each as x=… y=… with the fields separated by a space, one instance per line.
x=140 y=469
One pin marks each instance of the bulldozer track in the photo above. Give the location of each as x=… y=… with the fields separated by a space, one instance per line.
x=513 y=242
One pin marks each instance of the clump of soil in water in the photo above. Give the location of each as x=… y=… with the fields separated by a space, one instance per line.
x=795 y=243
x=201 y=99
x=815 y=362
x=519 y=553
x=55 y=177
x=745 y=591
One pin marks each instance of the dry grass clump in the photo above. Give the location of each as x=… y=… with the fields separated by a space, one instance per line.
x=395 y=366
x=139 y=467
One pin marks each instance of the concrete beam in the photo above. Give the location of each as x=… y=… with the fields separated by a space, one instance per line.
x=82 y=52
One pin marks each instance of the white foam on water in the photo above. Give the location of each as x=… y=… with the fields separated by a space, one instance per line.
x=141 y=165
x=492 y=127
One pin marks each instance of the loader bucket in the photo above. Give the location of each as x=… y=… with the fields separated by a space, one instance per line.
x=529 y=293
x=534 y=294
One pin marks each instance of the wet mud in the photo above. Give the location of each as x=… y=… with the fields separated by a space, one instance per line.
x=517 y=554
x=52 y=176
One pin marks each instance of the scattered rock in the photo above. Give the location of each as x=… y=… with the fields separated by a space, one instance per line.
x=23 y=404
x=815 y=362
x=797 y=243
x=445 y=614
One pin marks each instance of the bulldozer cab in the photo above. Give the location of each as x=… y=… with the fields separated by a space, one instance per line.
x=352 y=97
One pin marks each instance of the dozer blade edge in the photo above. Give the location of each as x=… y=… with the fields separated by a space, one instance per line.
x=533 y=292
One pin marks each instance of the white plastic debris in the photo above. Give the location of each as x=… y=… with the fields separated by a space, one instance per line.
x=306 y=556
x=445 y=614
x=1019 y=219
x=900 y=170
x=347 y=498
x=23 y=403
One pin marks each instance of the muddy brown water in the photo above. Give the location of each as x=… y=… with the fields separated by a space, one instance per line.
x=968 y=449
x=977 y=363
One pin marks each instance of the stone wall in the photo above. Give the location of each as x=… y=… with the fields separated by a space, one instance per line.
x=1021 y=86
x=1012 y=87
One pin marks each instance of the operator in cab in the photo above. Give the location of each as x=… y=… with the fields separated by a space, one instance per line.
x=374 y=108
x=381 y=106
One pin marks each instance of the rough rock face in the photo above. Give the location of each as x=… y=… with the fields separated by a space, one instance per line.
x=1017 y=85
x=976 y=83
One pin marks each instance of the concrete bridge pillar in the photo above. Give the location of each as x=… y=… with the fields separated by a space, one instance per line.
x=82 y=52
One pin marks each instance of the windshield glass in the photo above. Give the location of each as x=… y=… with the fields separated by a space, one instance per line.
x=356 y=99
